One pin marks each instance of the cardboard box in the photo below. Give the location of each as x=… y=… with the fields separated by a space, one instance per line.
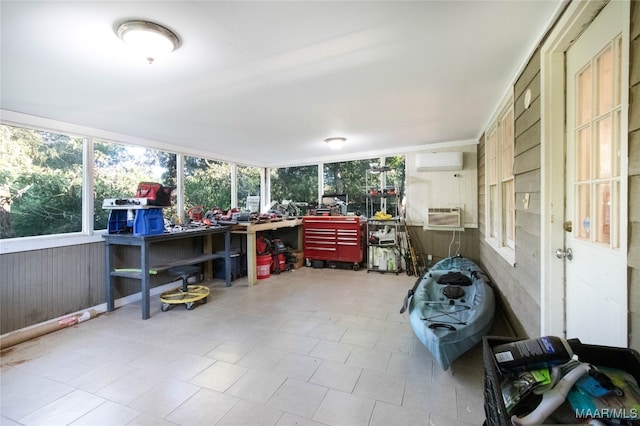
x=299 y=255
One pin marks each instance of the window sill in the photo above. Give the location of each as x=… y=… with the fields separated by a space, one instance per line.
x=507 y=253
x=16 y=245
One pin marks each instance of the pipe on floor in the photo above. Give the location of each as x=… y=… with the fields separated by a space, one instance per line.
x=37 y=330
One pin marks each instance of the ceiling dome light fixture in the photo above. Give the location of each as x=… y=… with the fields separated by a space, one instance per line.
x=335 y=143
x=148 y=38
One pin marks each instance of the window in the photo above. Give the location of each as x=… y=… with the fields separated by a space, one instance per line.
x=40 y=182
x=500 y=196
x=248 y=179
x=207 y=183
x=296 y=184
x=348 y=177
x=118 y=169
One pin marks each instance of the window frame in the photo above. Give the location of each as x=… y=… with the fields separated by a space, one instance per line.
x=500 y=214
x=90 y=136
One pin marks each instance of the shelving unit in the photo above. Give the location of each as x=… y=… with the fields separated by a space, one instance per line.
x=380 y=196
x=383 y=247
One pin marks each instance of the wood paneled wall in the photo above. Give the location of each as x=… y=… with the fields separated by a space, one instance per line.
x=40 y=285
x=519 y=285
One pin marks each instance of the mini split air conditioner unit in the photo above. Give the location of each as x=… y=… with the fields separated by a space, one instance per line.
x=439 y=161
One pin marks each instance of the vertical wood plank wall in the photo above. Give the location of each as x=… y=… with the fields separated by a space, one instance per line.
x=40 y=285
x=634 y=178
x=519 y=285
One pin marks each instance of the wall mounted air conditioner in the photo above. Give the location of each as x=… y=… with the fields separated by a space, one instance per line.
x=439 y=161
x=445 y=219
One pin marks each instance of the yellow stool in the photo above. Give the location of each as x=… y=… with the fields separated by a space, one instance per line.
x=187 y=294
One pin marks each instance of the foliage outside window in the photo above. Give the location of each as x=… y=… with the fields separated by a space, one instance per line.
x=248 y=179
x=40 y=182
x=296 y=184
x=348 y=177
x=207 y=183
x=118 y=169
x=500 y=227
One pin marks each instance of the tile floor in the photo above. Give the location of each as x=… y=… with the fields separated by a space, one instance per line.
x=306 y=347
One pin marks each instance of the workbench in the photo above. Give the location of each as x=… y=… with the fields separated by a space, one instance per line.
x=153 y=259
x=251 y=229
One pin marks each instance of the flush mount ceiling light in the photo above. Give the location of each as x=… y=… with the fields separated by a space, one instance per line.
x=149 y=39
x=335 y=143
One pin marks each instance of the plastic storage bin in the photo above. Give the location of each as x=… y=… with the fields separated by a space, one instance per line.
x=148 y=222
x=605 y=356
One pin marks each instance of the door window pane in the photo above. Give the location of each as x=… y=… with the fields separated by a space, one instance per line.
x=602 y=224
x=583 y=89
x=604 y=67
x=583 y=211
x=583 y=146
x=603 y=147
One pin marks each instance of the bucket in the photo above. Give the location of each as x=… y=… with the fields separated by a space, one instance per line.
x=263 y=266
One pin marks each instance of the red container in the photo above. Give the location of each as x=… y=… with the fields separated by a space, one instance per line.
x=263 y=266
x=281 y=260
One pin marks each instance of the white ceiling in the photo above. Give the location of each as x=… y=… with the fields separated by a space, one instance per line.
x=265 y=82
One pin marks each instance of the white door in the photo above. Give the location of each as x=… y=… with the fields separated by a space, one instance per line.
x=596 y=195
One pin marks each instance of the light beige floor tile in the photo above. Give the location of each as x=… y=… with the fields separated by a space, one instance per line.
x=164 y=397
x=107 y=414
x=206 y=407
x=381 y=386
x=129 y=387
x=369 y=359
x=231 y=351
x=332 y=351
x=5 y=421
x=385 y=414
x=147 y=420
x=362 y=338
x=298 y=397
x=219 y=377
x=299 y=367
x=340 y=408
x=256 y=386
x=23 y=393
x=261 y=359
x=443 y=420
x=337 y=376
x=296 y=326
x=288 y=419
x=64 y=410
x=250 y=413
x=186 y=367
x=333 y=332
x=353 y=321
x=101 y=376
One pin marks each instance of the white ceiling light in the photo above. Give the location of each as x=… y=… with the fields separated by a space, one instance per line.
x=335 y=143
x=149 y=39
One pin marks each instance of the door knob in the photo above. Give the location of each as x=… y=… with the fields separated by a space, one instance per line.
x=564 y=254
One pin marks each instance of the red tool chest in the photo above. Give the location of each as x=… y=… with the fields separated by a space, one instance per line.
x=333 y=238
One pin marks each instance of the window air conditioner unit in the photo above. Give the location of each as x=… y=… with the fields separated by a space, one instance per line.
x=439 y=161
x=449 y=218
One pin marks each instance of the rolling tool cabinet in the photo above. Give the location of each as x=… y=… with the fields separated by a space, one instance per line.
x=333 y=238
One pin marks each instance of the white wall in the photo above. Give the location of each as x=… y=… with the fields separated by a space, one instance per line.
x=443 y=189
